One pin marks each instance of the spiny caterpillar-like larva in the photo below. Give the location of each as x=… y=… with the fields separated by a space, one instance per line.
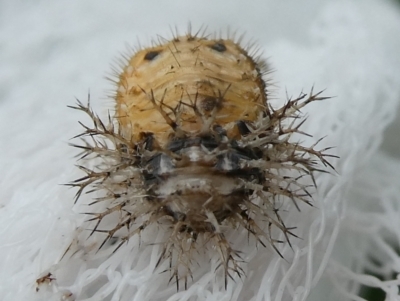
x=196 y=146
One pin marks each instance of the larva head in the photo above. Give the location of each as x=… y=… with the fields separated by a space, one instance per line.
x=188 y=85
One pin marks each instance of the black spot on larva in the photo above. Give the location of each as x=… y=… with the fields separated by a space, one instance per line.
x=189 y=142
x=159 y=164
x=219 y=46
x=149 y=141
x=151 y=55
x=209 y=103
x=179 y=216
x=247 y=153
x=242 y=127
x=208 y=142
x=219 y=130
x=228 y=161
x=149 y=178
x=176 y=145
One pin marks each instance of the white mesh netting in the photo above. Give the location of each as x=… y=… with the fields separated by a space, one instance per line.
x=53 y=52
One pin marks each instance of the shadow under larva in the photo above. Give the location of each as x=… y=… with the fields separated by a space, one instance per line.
x=196 y=146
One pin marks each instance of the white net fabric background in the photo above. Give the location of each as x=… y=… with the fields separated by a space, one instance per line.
x=52 y=51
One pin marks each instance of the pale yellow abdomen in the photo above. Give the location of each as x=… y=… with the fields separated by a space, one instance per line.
x=196 y=82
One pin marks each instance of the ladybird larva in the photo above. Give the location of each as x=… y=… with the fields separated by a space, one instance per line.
x=196 y=146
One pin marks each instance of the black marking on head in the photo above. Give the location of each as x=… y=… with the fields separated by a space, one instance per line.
x=218 y=46
x=151 y=55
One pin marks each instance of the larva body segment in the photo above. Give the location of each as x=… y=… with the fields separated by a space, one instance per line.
x=195 y=146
